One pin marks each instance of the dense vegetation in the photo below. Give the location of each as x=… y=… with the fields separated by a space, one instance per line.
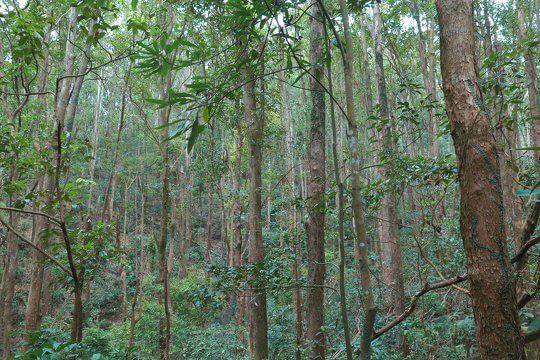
x=234 y=179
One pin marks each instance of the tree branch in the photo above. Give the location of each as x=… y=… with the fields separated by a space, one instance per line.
x=38 y=249
x=33 y=212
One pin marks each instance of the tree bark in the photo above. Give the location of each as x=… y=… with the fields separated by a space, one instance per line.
x=532 y=79
x=392 y=266
x=492 y=283
x=258 y=323
x=316 y=186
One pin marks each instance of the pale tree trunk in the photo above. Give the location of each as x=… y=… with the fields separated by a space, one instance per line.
x=77 y=85
x=95 y=134
x=361 y=241
x=38 y=293
x=492 y=283
x=108 y=197
x=209 y=227
x=123 y=249
x=185 y=243
x=258 y=322
x=237 y=231
x=33 y=308
x=40 y=278
x=316 y=186
x=292 y=220
x=392 y=266
x=425 y=49
x=532 y=78
x=341 y=209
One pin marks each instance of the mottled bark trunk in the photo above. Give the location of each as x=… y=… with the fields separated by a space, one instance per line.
x=316 y=186
x=492 y=283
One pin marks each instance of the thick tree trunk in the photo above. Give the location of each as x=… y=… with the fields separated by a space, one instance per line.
x=316 y=190
x=492 y=283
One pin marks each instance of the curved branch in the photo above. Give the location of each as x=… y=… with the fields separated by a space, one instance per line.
x=38 y=249
x=427 y=288
x=33 y=212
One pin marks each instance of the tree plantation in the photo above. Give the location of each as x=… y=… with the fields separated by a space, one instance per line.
x=269 y=179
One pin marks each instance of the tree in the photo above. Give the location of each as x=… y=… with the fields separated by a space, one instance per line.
x=316 y=188
x=392 y=264
x=258 y=323
x=482 y=214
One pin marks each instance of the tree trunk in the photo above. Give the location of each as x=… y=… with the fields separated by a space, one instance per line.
x=292 y=221
x=392 y=266
x=532 y=79
x=209 y=230
x=492 y=284
x=33 y=314
x=316 y=202
x=361 y=241
x=164 y=114
x=237 y=231
x=258 y=323
x=341 y=207
x=8 y=282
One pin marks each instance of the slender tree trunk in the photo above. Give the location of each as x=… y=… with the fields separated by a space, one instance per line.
x=316 y=189
x=492 y=283
x=164 y=114
x=209 y=228
x=532 y=79
x=292 y=221
x=341 y=212
x=237 y=231
x=392 y=268
x=8 y=281
x=33 y=308
x=95 y=134
x=258 y=323
x=77 y=85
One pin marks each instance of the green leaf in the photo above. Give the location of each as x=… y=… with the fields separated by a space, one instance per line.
x=533 y=148
x=527 y=192
x=196 y=130
x=134 y=4
x=206 y=114
x=535 y=325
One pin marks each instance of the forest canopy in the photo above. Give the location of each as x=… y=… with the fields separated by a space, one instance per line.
x=269 y=179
